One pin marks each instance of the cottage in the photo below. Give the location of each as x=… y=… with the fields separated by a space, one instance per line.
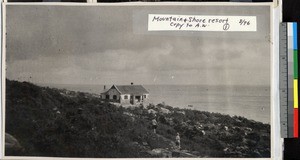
x=126 y=94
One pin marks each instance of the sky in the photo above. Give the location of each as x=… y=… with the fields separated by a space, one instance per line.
x=111 y=45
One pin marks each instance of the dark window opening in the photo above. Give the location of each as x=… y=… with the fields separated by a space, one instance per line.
x=107 y=96
x=115 y=97
x=138 y=98
x=125 y=97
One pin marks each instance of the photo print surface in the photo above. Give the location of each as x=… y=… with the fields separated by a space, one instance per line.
x=93 y=82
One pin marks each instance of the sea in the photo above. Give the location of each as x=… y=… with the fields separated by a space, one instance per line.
x=252 y=102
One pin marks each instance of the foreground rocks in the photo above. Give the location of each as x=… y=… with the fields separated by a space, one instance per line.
x=12 y=145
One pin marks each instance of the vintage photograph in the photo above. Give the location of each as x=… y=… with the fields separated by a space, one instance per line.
x=96 y=82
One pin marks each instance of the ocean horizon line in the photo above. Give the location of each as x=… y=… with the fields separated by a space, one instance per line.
x=93 y=84
x=242 y=85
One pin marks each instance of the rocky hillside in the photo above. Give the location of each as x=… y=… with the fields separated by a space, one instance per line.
x=53 y=122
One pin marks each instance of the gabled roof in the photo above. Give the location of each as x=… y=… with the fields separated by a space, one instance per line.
x=131 y=89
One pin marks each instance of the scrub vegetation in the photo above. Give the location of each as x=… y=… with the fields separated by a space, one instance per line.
x=61 y=123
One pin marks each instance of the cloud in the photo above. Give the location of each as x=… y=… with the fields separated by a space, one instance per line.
x=171 y=63
x=56 y=44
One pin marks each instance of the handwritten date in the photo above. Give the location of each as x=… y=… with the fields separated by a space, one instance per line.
x=244 y=22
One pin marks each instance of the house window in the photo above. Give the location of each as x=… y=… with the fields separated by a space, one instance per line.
x=115 y=97
x=126 y=97
x=145 y=96
x=107 y=96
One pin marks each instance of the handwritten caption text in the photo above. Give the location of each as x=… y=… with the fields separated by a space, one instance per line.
x=163 y=22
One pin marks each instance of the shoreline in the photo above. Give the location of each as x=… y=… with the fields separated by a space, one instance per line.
x=83 y=120
x=155 y=99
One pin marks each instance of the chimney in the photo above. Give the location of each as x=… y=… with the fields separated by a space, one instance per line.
x=104 y=87
x=131 y=83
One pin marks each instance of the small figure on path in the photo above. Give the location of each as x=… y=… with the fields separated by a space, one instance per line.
x=154 y=125
x=177 y=142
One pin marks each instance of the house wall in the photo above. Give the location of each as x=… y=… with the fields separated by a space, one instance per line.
x=123 y=100
x=111 y=93
x=146 y=100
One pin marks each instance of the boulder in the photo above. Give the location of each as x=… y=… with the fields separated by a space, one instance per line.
x=12 y=145
x=160 y=152
x=165 y=111
x=152 y=111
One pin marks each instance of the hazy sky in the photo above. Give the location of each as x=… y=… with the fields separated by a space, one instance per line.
x=111 y=45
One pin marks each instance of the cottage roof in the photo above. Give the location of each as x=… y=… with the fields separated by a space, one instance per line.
x=131 y=89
